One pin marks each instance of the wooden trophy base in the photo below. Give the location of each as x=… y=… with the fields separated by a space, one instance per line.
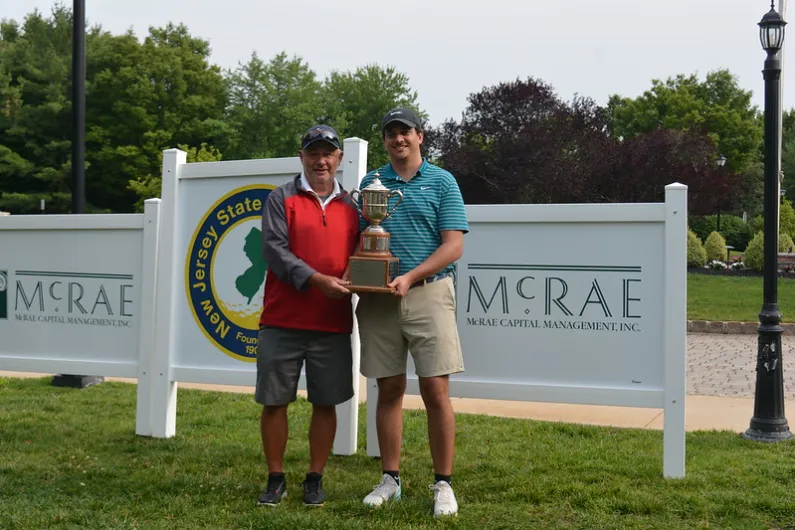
x=371 y=274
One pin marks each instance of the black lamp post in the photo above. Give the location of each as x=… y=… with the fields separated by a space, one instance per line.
x=768 y=423
x=78 y=150
x=721 y=161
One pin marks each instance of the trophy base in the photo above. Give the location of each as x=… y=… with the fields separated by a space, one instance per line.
x=370 y=274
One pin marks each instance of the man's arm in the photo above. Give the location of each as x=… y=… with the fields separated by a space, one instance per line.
x=450 y=250
x=453 y=225
x=276 y=244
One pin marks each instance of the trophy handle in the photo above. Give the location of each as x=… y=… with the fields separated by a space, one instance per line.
x=355 y=197
x=400 y=199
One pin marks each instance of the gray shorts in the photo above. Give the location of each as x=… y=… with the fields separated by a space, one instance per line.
x=281 y=354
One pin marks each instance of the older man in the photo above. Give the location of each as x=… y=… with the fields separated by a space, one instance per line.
x=310 y=229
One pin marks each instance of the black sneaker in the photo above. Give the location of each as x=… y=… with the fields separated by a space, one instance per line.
x=274 y=492
x=314 y=495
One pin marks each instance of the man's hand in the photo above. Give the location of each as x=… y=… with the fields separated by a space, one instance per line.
x=400 y=285
x=330 y=286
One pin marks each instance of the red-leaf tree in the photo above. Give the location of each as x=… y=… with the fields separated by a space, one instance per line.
x=518 y=143
x=648 y=162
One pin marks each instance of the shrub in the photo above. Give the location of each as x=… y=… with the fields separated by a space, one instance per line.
x=703 y=225
x=696 y=255
x=785 y=243
x=757 y=224
x=786 y=219
x=754 y=254
x=715 y=247
x=736 y=231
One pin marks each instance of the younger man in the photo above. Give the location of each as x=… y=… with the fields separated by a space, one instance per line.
x=427 y=234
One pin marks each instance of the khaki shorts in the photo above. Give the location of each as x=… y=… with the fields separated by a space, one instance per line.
x=422 y=322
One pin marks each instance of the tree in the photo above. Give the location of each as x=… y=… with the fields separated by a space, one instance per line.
x=717 y=107
x=355 y=101
x=150 y=186
x=271 y=105
x=35 y=160
x=788 y=152
x=753 y=183
x=144 y=98
x=518 y=143
x=649 y=162
x=141 y=98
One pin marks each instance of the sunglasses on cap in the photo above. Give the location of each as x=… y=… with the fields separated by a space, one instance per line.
x=316 y=134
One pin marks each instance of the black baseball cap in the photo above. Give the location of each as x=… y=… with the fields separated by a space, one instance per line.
x=320 y=133
x=403 y=115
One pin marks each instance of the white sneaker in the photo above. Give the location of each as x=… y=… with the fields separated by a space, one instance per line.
x=444 y=502
x=387 y=489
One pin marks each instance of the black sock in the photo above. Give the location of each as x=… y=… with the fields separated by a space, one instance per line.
x=394 y=474
x=276 y=477
x=313 y=477
x=446 y=478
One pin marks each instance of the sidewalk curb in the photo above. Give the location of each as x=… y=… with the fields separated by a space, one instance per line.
x=731 y=328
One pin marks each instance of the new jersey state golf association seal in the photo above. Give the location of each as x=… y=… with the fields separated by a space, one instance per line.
x=225 y=271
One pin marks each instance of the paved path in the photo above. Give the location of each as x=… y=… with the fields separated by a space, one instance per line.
x=725 y=365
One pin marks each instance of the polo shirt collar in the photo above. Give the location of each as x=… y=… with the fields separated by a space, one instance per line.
x=306 y=187
x=393 y=174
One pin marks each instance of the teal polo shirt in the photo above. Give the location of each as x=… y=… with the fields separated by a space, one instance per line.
x=432 y=202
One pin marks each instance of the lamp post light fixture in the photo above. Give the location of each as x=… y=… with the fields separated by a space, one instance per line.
x=721 y=161
x=768 y=423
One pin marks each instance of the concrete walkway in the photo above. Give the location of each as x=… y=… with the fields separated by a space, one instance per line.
x=720 y=386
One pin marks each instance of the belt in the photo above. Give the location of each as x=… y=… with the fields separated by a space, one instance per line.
x=429 y=279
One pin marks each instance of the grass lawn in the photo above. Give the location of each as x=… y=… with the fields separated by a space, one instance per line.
x=734 y=298
x=70 y=459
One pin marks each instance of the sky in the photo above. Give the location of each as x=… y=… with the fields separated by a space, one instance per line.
x=450 y=49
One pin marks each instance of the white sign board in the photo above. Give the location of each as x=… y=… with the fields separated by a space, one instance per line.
x=571 y=306
x=71 y=292
x=581 y=304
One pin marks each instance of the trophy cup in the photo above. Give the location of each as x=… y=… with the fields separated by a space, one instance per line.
x=372 y=267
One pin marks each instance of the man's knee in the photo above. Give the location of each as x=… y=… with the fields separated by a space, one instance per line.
x=272 y=411
x=391 y=389
x=435 y=391
x=324 y=410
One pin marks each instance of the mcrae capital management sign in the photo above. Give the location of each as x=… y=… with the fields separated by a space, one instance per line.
x=63 y=297
x=589 y=298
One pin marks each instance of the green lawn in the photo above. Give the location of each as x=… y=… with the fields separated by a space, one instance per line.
x=70 y=459
x=720 y=298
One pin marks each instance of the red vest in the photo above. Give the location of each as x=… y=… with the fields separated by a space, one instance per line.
x=324 y=240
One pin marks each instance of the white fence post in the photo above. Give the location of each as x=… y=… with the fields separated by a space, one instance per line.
x=151 y=233
x=346 y=439
x=675 y=330
x=372 y=433
x=164 y=388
